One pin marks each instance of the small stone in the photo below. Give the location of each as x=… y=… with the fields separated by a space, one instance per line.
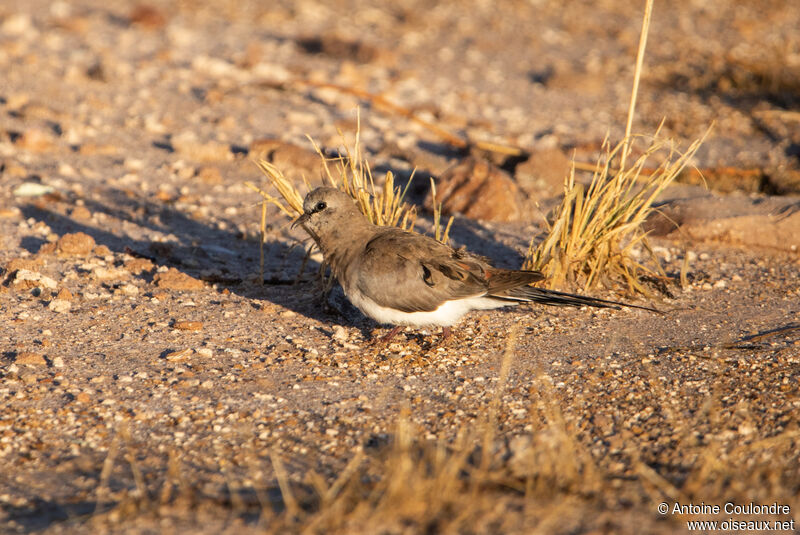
x=16 y=170
x=16 y=24
x=80 y=213
x=59 y=305
x=173 y=279
x=78 y=244
x=32 y=189
x=46 y=249
x=94 y=149
x=205 y=352
x=26 y=279
x=104 y=273
x=83 y=397
x=209 y=175
x=31 y=359
x=147 y=16
x=785 y=180
x=294 y=161
x=15 y=264
x=182 y=354
x=64 y=294
x=543 y=172
x=339 y=334
x=348 y=49
x=129 y=289
x=8 y=213
x=58 y=362
x=746 y=429
x=35 y=140
x=188 y=325
x=478 y=190
x=164 y=196
x=29 y=378
x=102 y=250
x=187 y=145
x=137 y=265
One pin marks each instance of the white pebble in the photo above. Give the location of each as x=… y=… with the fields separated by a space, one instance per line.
x=60 y=305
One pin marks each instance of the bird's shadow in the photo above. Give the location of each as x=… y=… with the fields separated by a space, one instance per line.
x=213 y=252
x=218 y=253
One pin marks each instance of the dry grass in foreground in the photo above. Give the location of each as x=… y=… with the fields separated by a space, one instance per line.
x=596 y=229
x=573 y=469
x=564 y=474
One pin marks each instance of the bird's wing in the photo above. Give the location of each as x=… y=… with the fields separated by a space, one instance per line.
x=415 y=273
x=502 y=282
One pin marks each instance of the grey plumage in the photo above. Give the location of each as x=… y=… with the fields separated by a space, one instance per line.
x=403 y=278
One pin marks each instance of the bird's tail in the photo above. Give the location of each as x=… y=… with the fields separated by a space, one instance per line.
x=555 y=298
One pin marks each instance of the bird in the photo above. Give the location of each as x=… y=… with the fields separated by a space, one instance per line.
x=402 y=278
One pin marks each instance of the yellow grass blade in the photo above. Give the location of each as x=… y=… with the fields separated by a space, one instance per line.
x=595 y=229
x=350 y=172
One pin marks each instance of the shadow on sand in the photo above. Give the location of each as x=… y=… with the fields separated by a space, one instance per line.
x=222 y=256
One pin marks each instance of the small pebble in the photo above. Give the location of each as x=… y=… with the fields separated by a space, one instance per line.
x=30 y=358
x=339 y=334
x=179 y=355
x=60 y=305
x=188 y=325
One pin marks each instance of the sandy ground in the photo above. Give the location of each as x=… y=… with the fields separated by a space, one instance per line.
x=150 y=383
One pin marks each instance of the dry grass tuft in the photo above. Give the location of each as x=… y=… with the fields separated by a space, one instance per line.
x=595 y=233
x=411 y=484
x=595 y=230
x=469 y=484
x=350 y=172
x=442 y=235
x=558 y=478
x=417 y=485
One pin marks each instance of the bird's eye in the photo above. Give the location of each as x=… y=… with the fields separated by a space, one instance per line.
x=320 y=206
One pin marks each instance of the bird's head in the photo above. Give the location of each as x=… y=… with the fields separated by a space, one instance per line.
x=329 y=214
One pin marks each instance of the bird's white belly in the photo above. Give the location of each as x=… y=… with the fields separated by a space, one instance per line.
x=449 y=313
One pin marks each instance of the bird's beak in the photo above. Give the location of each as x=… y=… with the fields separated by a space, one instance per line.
x=300 y=220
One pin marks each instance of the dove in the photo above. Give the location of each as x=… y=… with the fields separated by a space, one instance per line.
x=402 y=278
